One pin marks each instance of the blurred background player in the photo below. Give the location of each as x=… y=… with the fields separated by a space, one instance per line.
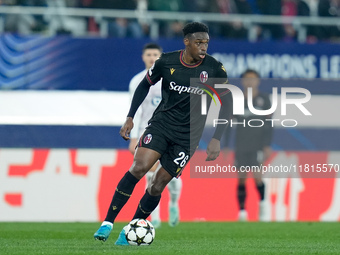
x=151 y=52
x=252 y=144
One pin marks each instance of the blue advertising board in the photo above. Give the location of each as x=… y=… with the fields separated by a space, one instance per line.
x=109 y=63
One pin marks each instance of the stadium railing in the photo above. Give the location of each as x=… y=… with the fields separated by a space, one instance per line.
x=152 y=17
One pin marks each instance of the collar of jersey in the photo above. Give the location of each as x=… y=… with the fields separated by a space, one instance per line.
x=188 y=65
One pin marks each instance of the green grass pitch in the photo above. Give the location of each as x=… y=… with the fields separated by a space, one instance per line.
x=187 y=238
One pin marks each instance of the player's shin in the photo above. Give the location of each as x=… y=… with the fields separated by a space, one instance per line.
x=241 y=195
x=121 y=196
x=261 y=189
x=146 y=205
x=175 y=186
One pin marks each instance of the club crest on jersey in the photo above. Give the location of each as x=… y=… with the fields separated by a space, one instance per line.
x=147 y=139
x=203 y=76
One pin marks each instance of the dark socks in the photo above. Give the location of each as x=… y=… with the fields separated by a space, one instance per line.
x=146 y=205
x=121 y=196
x=241 y=195
x=260 y=188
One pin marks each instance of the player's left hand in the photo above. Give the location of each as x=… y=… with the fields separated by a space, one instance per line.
x=213 y=149
x=126 y=129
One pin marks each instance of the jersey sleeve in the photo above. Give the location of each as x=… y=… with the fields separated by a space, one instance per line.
x=225 y=95
x=221 y=78
x=221 y=73
x=138 y=97
x=137 y=119
x=154 y=74
x=224 y=113
x=132 y=86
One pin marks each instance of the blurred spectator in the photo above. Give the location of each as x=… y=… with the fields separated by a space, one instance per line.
x=197 y=6
x=168 y=28
x=312 y=6
x=289 y=8
x=301 y=8
x=62 y=24
x=121 y=27
x=25 y=23
x=329 y=8
x=254 y=6
x=8 y=2
x=243 y=7
x=271 y=7
x=140 y=26
x=86 y=3
x=92 y=26
x=233 y=30
x=165 y=5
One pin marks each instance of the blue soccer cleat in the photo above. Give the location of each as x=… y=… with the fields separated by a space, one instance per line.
x=122 y=238
x=174 y=216
x=103 y=233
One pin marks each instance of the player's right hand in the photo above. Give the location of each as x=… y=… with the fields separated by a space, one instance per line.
x=126 y=128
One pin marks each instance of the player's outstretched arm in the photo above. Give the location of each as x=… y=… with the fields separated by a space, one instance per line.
x=214 y=146
x=138 y=98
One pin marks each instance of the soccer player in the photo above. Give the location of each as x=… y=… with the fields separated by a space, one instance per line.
x=151 y=52
x=176 y=126
x=252 y=144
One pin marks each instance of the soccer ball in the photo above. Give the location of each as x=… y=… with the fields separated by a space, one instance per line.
x=139 y=232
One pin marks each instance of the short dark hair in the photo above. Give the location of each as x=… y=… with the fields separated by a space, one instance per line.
x=250 y=71
x=152 y=46
x=194 y=27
